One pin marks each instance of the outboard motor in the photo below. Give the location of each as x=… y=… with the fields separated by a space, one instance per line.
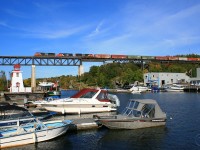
x=114 y=99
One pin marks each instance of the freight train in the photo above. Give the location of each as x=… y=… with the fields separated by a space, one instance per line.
x=112 y=56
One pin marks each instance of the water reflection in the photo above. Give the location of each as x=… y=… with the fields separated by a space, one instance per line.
x=148 y=138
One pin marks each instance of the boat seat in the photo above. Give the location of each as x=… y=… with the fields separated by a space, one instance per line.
x=20 y=130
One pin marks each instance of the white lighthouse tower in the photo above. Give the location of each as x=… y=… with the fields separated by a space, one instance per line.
x=17 y=84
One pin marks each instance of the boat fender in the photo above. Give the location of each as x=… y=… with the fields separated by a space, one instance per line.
x=79 y=112
x=63 y=111
x=34 y=137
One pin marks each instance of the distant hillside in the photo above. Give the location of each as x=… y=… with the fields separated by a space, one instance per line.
x=117 y=74
x=113 y=75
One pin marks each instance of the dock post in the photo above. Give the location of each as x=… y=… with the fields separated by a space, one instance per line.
x=33 y=80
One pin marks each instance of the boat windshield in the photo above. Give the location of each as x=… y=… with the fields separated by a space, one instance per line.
x=88 y=94
x=148 y=110
x=102 y=96
x=131 y=109
x=132 y=112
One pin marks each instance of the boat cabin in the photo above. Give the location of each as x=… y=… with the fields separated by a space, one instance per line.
x=147 y=108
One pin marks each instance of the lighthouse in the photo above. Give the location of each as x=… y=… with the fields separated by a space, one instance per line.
x=17 y=84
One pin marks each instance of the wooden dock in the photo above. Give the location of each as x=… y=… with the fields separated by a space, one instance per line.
x=195 y=89
x=84 y=122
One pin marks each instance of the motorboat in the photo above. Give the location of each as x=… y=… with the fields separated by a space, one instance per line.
x=139 y=113
x=85 y=101
x=138 y=89
x=175 y=88
x=32 y=132
x=12 y=115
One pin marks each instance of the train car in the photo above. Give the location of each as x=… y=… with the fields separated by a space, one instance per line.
x=88 y=55
x=41 y=54
x=134 y=57
x=64 y=54
x=119 y=56
x=50 y=54
x=148 y=57
x=102 y=56
x=162 y=57
x=182 y=58
x=173 y=58
x=192 y=59
x=78 y=55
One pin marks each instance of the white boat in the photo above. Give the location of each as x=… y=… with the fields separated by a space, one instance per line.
x=138 y=89
x=85 y=101
x=44 y=84
x=175 y=88
x=139 y=113
x=32 y=133
x=11 y=115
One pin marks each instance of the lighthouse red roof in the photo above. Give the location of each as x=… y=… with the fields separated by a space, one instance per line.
x=17 y=67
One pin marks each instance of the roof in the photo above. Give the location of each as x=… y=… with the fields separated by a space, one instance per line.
x=145 y=101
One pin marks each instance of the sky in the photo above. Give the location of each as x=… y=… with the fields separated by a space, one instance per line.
x=129 y=27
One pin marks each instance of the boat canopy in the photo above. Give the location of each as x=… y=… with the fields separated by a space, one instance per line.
x=143 y=108
x=13 y=112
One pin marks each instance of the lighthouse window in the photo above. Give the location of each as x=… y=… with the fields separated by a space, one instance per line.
x=17 y=75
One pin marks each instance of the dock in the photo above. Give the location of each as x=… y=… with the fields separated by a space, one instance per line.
x=83 y=124
x=192 y=89
x=79 y=122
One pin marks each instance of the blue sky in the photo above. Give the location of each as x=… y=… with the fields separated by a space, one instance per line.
x=130 y=27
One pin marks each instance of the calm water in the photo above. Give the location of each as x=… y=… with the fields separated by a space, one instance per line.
x=182 y=132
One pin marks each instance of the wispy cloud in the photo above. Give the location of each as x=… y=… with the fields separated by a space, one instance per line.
x=2 y=23
x=97 y=30
x=6 y=25
x=52 y=33
x=15 y=13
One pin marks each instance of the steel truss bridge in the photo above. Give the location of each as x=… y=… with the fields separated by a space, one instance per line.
x=73 y=61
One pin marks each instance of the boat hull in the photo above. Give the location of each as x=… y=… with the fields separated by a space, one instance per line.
x=79 y=108
x=123 y=124
x=32 y=137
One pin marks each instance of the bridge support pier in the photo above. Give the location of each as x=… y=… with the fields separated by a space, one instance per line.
x=33 y=80
x=80 y=70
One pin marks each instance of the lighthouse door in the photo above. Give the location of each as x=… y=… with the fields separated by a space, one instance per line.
x=17 y=85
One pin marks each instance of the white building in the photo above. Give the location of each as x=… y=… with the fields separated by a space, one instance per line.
x=196 y=81
x=17 y=84
x=163 y=78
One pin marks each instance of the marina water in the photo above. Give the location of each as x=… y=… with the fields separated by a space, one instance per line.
x=181 y=132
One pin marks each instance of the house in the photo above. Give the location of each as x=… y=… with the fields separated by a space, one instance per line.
x=164 y=78
x=196 y=81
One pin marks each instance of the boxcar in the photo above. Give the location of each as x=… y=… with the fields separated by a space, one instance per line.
x=192 y=59
x=148 y=57
x=102 y=56
x=64 y=54
x=88 y=56
x=182 y=58
x=50 y=54
x=40 y=54
x=78 y=55
x=134 y=57
x=119 y=56
x=162 y=58
x=173 y=58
